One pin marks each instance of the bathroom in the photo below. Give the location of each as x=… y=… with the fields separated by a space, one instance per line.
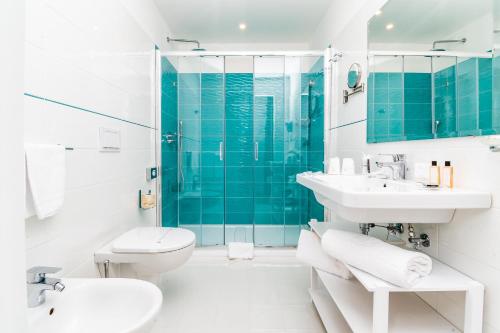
x=251 y=140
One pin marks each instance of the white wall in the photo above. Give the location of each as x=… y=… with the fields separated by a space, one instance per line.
x=470 y=242
x=246 y=46
x=91 y=57
x=12 y=248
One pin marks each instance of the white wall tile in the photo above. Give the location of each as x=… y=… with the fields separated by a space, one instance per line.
x=93 y=55
x=470 y=242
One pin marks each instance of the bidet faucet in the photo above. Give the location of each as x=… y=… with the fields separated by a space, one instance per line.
x=37 y=284
x=398 y=164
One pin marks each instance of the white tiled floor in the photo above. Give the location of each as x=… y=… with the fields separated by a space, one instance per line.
x=211 y=294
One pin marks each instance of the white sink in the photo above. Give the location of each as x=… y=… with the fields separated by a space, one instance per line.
x=369 y=200
x=98 y=306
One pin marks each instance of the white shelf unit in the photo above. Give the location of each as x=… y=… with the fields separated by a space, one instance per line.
x=369 y=304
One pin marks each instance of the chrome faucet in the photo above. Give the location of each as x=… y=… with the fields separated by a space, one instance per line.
x=398 y=166
x=37 y=284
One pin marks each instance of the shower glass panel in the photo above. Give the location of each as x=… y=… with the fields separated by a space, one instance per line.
x=243 y=127
x=212 y=150
x=240 y=149
x=312 y=137
x=189 y=111
x=295 y=140
x=467 y=92
x=169 y=155
x=445 y=96
x=268 y=125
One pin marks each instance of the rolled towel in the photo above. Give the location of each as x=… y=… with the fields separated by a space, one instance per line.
x=388 y=262
x=309 y=251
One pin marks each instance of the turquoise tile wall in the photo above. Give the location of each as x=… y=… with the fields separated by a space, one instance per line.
x=417 y=106
x=385 y=107
x=169 y=151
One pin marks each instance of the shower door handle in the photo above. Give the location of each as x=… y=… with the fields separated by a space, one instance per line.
x=256 y=151
x=221 y=152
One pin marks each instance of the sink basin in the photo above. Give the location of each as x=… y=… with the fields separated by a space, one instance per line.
x=361 y=199
x=98 y=306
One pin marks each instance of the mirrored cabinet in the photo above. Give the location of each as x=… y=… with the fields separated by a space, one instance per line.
x=434 y=70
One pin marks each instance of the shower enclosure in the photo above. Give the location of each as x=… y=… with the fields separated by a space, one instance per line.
x=235 y=131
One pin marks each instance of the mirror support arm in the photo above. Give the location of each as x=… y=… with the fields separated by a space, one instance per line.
x=347 y=93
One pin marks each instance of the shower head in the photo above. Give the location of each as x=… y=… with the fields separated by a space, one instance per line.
x=182 y=40
x=434 y=48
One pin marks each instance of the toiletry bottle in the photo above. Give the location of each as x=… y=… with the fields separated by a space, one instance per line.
x=448 y=174
x=434 y=174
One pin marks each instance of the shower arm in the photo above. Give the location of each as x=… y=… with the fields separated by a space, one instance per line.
x=462 y=40
x=182 y=40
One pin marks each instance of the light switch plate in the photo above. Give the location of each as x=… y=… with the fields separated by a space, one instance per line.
x=151 y=173
x=109 y=140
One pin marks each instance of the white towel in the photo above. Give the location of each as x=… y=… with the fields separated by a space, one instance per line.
x=388 y=262
x=237 y=250
x=46 y=170
x=309 y=251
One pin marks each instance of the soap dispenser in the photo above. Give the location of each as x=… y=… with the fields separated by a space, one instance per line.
x=434 y=174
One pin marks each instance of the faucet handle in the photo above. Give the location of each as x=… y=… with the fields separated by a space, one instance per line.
x=395 y=157
x=36 y=274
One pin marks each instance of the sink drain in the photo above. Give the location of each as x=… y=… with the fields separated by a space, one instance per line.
x=51 y=311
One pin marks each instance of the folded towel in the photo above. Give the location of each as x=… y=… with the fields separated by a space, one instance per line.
x=309 y=251
x=236 y=250
x=388 y=262
x=46 y=170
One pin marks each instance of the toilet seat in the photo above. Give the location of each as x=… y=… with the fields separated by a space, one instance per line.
x=153 y=240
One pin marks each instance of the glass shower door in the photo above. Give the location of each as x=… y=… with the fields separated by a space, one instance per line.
x=212 y=151
x=268 y=123
x=189 y=130
x=240 y=153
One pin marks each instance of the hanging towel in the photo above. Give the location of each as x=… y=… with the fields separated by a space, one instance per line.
x=236 y=250
x=309 y=251
x=46 y=170
x=388 y=262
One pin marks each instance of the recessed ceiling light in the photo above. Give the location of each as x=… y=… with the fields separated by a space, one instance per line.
x=378 y=12
x=389 y=26
x=242 y=26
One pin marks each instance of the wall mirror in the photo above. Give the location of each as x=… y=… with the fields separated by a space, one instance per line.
x=354 y=75
x=434 y=70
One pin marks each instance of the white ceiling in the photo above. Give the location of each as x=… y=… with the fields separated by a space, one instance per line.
x=268 y=21
x=422 y=21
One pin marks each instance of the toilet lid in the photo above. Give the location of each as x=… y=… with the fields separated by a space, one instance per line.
x=153 y=240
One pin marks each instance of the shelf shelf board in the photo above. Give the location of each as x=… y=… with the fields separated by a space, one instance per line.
x=408 y=312
x=330 y=315
x=442 y=277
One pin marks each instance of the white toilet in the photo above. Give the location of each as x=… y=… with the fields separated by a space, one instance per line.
x=146 y=252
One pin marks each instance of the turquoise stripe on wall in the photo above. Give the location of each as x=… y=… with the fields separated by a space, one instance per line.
x=84 y=109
